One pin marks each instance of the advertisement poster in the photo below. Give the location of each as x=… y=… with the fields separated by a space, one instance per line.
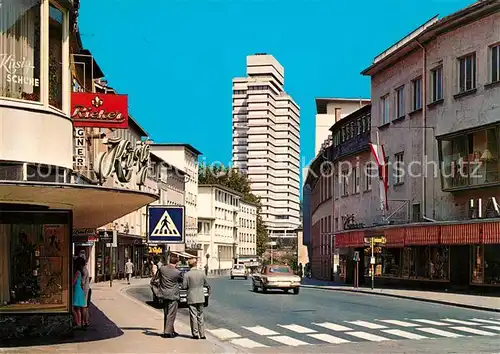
x=51 y=264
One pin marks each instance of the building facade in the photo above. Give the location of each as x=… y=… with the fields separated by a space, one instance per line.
x=43 y=198
x=328 y=112
x=185 y=157
x=433 y=106
x=266 y=142
x=218 y=225
x=247 y=233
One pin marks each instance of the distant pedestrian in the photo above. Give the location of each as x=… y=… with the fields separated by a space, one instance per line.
x=301 y=272
x=194 y=282
x=129 y=270
x=206 y=269
x=170 y=278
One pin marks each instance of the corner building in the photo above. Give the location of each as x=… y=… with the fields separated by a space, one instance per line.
x=266 y=142
x=41 y=198
x=434 y=97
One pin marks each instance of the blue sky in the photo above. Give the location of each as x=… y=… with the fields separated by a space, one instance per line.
x=176 y=58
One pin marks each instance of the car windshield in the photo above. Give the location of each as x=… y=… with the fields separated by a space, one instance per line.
x=279 y=270
x=183 y=269
x=238 y=267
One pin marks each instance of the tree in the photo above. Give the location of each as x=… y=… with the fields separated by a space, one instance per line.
x=238 y=181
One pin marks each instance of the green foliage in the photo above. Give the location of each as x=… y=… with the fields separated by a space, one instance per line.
x=238 y=181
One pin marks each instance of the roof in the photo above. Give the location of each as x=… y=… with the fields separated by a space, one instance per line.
x=187 y=146
x=313 y=167
x=322 y=102
x=249 y=203
x=430 y=30
x=137 y=126
x=86 y=57
x=167 y=163
x=220 y=186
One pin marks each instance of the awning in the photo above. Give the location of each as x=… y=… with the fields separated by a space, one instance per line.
x=183 y=254
x=92 y=206
x=463 y=234
x=422 y=235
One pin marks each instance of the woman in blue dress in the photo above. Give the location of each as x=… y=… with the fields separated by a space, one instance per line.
x=78 y=292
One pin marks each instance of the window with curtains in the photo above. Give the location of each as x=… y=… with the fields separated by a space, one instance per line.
x=20 y=49
x=34 y=261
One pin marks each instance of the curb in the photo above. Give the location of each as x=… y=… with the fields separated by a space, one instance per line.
x=407 y=297
x=183 y=319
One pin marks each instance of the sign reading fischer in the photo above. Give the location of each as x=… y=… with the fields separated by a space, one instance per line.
x=122 y=159
x=99 y=110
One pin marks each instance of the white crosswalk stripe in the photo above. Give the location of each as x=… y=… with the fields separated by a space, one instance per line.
x=474 y=331
x=404 y=334
x=247 y=343
x=467 y=323
x=333 y=326
x=367 y=336
x=298 y=329
x=430 y=322
x=328 y=338
x=495 y=328
x=375 y=330
x=262 y=331
x=486 y=321
x=223 y=333
x=400 y=323
x=367 y=324
x=439 y=332
x=288 y=341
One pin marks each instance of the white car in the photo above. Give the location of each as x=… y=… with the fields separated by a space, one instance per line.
x=239 y=271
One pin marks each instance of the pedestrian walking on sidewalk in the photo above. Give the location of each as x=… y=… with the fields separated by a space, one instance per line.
x=78 y=293
x=170 y=278
x=194 y=282
x=129 y=269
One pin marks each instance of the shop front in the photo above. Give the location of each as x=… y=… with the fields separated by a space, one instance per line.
x=36 y=246
x=446 y=255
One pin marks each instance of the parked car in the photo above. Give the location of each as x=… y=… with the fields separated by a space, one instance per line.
x=276 y=277
x=240 y=271
x=183 y=292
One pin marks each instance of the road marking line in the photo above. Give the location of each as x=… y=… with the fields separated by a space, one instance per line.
x=367 y=324
x=332 y=326
x=400 y=323
x=328 y=338
x=435 y=323
x=467 y=323
x=404 y=334
x=495 y=328
x=288 y=341
x=439 y=332
x=486 y=321
x=247 y=343
x=223 y=333
x=474 y=331
x=262 y=331
x=367 y=336
x=298 y=329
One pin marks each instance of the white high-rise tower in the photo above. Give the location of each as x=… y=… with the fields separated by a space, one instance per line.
x=266 y=142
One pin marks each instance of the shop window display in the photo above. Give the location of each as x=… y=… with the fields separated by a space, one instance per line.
x=20 y=49
x=486 y=264
x=34 y=262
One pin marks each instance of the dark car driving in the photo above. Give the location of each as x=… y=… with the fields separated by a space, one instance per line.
x=183 y=293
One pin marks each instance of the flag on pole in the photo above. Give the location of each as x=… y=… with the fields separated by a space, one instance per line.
x=378 y=153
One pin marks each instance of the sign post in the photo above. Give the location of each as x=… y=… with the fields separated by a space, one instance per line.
x=372 y=262
x=356 y=274
x=166 y=224
x=113 y=245
x=372 y=241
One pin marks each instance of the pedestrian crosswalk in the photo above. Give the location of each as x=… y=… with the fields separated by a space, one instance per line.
x=344 y=332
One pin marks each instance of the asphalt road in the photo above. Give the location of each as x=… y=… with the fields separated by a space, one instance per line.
x=340 y=322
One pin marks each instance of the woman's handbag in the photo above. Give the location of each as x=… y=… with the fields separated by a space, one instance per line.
x=155 y=286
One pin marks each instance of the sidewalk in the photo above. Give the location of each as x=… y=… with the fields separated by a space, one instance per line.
x=477 y=302
x=121 y=324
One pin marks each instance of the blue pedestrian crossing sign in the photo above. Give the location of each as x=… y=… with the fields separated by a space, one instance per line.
x=165 y=224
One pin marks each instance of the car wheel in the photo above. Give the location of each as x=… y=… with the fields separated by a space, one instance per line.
x=255 y=289
x=246 y=278
x=296 y=291
x=232 y=277
x=286 y=290
x=206 y=302
x=264 y=290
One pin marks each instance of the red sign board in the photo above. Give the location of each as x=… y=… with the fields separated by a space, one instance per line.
x=99 y=110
